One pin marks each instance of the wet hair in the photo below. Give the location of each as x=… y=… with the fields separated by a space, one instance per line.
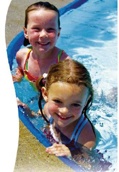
x=72 y=72
x=36 y=6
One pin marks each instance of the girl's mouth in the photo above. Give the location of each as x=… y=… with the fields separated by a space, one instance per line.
x=43 y=44
x=63 y=118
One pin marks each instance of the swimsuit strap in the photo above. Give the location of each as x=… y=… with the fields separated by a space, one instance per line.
x=51 y=120
x=26 y=62
x=80 y=129
x=59 y=55
x=77 y=127
x=28 y=76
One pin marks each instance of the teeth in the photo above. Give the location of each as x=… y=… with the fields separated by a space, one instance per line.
x=43 y=43
x=63 y=117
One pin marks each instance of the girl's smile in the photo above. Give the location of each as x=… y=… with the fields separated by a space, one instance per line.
x=63 y=118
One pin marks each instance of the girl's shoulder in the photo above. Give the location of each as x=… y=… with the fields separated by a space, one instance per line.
x=62 y=54
x=21 y=56
x=21 y=53
x=87 y=139
x=65 y=55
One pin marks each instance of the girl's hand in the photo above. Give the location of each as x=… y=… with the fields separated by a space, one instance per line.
x=26 y=108
x=59 y=150
x=20 y=103
x=18 y=76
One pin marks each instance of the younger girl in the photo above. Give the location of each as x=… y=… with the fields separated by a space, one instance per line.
x=68 y=94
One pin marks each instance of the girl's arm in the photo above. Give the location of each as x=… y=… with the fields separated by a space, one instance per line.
x=20 y=58
x=26 y=109
x=18 y=75
x=19 y=71
x=80 y=156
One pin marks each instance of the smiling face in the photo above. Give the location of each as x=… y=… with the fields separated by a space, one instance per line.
x=42 y=29
x=65 y=102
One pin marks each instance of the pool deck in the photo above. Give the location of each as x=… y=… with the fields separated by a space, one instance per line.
x=31 y=155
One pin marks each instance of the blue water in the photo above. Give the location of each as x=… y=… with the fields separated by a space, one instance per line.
x=89 y=35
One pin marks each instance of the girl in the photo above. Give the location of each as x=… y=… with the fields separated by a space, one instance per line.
x=41 y=31
x=68 y=94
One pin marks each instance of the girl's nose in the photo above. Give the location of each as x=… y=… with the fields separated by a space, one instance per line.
x=64 y=110
x=43 y=33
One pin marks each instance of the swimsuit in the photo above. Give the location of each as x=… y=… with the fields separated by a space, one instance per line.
x=73 y=140
x=27 y=75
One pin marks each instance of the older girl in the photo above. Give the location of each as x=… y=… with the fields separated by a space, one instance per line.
x=41 y=31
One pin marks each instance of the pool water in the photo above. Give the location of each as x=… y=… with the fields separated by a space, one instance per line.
x=89 y=35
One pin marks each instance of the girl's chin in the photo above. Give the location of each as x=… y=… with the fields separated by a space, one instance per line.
x=62 y=124
x=42 y=50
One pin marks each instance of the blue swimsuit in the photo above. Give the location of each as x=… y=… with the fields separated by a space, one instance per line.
x=80 y=125
x=72 y=141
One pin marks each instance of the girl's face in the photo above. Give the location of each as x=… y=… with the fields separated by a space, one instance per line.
x=42 y=29
x=65 y=102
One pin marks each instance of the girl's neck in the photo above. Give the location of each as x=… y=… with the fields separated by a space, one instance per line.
x=68 y=130
x=44 y=61
x=45 y=57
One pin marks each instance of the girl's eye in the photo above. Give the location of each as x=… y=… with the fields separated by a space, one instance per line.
x=76 y=105
x=49 y=30
x=57 y=101
x=36 y=29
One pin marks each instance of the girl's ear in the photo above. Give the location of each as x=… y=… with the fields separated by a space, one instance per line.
x=59 y=32
x=44 y=94
x=25 y=33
